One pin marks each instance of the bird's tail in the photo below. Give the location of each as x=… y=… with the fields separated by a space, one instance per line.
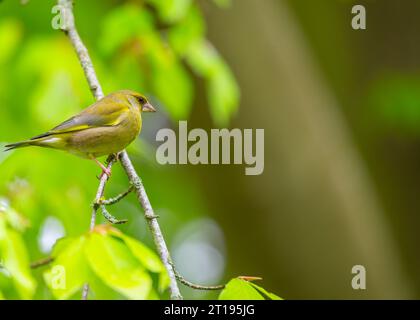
x=20 y=144
x=46 y=140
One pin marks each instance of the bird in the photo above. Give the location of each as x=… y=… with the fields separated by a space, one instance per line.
x=106 y=127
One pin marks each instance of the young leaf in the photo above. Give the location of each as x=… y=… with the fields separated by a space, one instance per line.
x=187 y=32
x=147 y=258
x=223 y=95
x=268 y=295
x=115 y=265
x=171 y=11
x=202 y=57
x=171 y=82
x=222 y=90
x=61 y=245
x=238 y=289
x=15 y=260
x=69 y=270
x=130 y=21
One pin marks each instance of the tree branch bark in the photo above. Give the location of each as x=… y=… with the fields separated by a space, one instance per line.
x=70 y=29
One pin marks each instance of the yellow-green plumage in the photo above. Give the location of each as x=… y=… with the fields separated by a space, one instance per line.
x=106 y=127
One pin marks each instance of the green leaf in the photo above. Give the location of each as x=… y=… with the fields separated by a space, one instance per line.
x=171 y=82
x=238 y=289
x=130 y=21
x=70 y=270
x=146 y=256
x=268 y=295
x=61 y=245
x=203 y=58
x=171 y=11
x=148 y=259
x=187 y=32
x=246 y=290
x=115 y=265
x=222 y=90
x=16 y=261
x=153 y=295
x=6 y=283
x=223 y=95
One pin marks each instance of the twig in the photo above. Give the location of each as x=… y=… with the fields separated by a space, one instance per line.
x=110 y=217
x=101 y=203
x=101 y=189
x=41 y=262
x=117 y=198
x=83 y=55
x=190 y=284
x=198 y=286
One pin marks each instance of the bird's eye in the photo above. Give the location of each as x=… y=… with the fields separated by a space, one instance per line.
x=142 y=100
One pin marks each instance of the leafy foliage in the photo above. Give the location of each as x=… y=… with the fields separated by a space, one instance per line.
x=162 y=56
x=14 y=259
x=114 y=259
x=239 y=289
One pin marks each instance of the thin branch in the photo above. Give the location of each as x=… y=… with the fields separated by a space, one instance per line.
x=100 y=192
x=213 y=287
x=151 y=219
x=110 y=217
x=116 y=199
x=101 y=203
x=41 y=262
x=83 y=55
x=190 y=284
x=198 y=286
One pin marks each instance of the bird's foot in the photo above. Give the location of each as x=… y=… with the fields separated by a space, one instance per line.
x=112 y=157
x=105 y=171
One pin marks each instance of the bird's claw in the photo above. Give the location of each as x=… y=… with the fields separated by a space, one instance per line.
x=105 y=171
x=112 y=157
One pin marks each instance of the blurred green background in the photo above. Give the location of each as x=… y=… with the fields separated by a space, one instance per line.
x=340 y=109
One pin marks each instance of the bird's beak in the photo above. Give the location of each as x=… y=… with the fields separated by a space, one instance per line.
x=148 y=108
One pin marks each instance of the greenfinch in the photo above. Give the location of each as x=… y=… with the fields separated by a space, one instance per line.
x=106 y=127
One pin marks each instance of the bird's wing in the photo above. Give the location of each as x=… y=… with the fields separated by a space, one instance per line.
x=100 y=114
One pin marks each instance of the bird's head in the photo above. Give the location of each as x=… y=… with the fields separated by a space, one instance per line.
x=143 y=104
